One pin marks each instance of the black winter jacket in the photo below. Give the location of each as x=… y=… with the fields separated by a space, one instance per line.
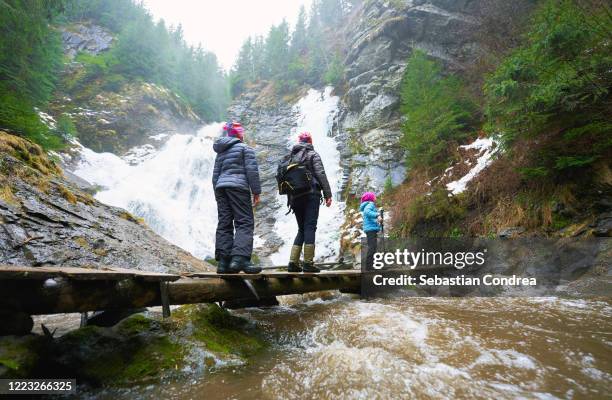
x=235 y=166
x=306 y=154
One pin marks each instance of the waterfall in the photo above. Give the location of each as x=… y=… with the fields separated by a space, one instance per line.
x=316 y=112
x=171 y=188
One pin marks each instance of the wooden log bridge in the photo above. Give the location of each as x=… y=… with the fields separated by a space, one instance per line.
x=51 y=290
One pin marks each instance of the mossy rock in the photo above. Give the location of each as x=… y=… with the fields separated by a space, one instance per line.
x=28 y=152
x=20 y=355
x=142 y=349
x=136 y=350
x=220 y=331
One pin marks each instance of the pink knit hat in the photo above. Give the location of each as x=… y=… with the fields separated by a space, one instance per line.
x=234 y=129
x=368 y=196
x=305 y=137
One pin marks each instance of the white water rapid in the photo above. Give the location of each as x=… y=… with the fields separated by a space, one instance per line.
x=171 y=188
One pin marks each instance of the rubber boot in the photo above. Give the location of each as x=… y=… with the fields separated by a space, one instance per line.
x=223 y=266
x=309 y=252
x=242 y=263
x=294 y=259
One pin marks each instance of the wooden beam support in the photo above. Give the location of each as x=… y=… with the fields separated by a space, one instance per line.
x=165 y=300
x=33 y=296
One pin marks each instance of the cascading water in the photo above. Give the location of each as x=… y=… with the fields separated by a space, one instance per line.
x=171 y=189
x=315 y=112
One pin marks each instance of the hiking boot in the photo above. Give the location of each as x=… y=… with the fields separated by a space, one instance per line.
x=242 y=263
x=308 y=266
x=223 y=265
x=293 y=267
x=294 y=259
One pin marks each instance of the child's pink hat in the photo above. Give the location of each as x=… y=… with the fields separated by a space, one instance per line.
x=368 y=196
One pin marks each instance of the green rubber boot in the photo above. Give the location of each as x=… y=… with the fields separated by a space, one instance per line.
x=309 y=252
x=294 y=259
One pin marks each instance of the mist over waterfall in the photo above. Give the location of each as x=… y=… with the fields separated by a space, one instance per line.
x=171 y=189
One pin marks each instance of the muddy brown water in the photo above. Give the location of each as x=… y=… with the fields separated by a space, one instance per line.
x=421 y=348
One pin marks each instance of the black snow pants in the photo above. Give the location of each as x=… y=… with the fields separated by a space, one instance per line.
x=306 y=209
x=372 y=243
x=235 y=213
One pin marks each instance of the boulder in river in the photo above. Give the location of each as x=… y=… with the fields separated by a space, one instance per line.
x=141 y=348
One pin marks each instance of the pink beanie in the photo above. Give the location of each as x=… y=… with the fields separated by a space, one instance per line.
x=368 y=196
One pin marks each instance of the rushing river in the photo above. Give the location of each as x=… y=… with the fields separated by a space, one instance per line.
x=423 y=348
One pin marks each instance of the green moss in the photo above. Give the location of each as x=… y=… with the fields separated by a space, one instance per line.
x=160 y=354
x=560 y=222
x=9 y=363
x=19 y=356
x=219 y=330
x=100 y=252
x=139 y=349
x=136 y=350
x=135 y=325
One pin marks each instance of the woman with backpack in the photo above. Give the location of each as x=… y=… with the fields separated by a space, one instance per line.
x=306 y=205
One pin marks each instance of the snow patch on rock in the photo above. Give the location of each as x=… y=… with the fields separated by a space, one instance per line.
x=486 y=148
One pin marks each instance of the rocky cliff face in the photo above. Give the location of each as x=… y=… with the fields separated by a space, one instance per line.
x=115 y=121
x=47 y=220
x=380 y=37
x=87 y=37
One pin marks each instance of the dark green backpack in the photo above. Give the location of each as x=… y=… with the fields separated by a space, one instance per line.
x=294 y=178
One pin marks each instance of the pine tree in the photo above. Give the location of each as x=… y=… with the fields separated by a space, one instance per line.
x=277 y=51
x=299 y=38
x=30 y=59
x=331 y=11
x=435 y=109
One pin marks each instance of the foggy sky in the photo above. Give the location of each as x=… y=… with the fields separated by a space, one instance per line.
x=222 y=25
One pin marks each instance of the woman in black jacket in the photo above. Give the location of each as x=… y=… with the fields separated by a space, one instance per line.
x=235 y=177
x=306 y=206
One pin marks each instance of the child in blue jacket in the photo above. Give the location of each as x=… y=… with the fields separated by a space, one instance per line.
x=370 y=225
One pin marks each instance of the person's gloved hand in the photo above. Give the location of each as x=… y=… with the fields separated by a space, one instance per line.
x=255 y=200
x=328 y=202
